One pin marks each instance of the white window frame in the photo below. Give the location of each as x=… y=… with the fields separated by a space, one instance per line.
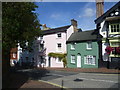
x=72 y=59
x=87 y=45
x=113 y=28
x=73 y=46
x=87 y=60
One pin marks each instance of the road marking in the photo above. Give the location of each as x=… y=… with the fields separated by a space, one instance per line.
x=100 y=80
x=53 y=84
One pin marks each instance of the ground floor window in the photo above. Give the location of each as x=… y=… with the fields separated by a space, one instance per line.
x=58 y=60
x=89 y=59
x=72 y=58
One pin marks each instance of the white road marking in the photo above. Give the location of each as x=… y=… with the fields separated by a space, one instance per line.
x=100 y=80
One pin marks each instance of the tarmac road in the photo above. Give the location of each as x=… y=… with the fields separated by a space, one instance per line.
x=75 y=79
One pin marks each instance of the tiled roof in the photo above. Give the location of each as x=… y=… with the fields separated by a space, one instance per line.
x=82 y=36
x=55 y=30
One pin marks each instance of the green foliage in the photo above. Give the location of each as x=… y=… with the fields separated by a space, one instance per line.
x=19 y=23
x=59 y=55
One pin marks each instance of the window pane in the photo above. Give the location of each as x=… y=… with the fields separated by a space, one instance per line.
x=89 y=45
x=59 y=44
x=72 y=46
x=111 y=28
x=59 y=35
x=118 y=28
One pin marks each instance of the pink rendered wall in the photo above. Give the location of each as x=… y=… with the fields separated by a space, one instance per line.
x=51 y=45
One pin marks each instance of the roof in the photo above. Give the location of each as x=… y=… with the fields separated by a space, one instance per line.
x=55 y=30
x=106 y=14
x=82 y=36
x=14 y=50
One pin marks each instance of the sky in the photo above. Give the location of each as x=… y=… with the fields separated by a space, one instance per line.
x=58 y=14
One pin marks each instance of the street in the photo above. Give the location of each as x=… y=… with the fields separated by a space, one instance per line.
x=74 y=79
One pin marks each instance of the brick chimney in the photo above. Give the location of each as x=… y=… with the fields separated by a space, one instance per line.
x=74 y=23
x=99 y=8
x=44 y=26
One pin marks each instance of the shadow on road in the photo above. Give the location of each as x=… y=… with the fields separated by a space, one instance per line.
x=17 y=77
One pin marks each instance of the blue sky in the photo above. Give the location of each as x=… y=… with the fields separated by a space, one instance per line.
x=57 y=14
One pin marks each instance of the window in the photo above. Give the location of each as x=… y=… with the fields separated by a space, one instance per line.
x=58 y=60
x=115 y=44
x=89 y=45
x=59 y=45
x=72 y=58
x=14 y=55
x=114 y=28
x=89 y=60
x=73 y=46
x=59 y=35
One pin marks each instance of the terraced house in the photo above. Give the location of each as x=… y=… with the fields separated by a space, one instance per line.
x=55 y=42
x=82 y=50
x=108 y=25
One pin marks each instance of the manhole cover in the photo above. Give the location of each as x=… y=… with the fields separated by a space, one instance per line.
x=78 y=80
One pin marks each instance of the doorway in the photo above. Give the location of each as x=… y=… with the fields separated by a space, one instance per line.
x=79 y=61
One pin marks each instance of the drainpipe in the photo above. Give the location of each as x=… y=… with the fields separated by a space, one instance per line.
x=99 y=41
x=107 y=41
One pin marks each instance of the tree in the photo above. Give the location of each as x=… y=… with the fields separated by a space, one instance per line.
x=19 y=25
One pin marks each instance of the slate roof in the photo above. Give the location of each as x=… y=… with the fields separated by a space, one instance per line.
x=83 y=36
x=106 y=14
x=55 y=30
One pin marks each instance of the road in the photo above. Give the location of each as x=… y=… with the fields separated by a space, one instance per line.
x=75 y=79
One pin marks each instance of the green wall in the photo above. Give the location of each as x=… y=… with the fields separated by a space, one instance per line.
x=81 y=49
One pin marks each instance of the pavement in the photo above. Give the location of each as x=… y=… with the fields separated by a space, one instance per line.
x=21 y=80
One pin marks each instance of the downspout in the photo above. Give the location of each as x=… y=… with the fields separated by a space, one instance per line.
x=99 y=41
x=107 y=41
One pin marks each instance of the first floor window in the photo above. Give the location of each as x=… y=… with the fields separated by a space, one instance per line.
x=72 y=58
x=89 y=45
x=114 y=27
x=89 y=59
x=59 y=45
x=73 y=46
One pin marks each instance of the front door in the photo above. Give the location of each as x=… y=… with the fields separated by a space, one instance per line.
x=79 y=61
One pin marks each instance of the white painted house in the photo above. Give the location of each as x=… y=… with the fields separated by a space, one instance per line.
x=108 y=26
x=55 y=42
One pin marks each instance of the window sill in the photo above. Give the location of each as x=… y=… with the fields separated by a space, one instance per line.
x=90 y=64
x=72 y=62
x=72 y=49
x=89 y=49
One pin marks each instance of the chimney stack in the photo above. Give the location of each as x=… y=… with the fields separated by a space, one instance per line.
x=99 y=8
x=44 y=26
x=74 y=23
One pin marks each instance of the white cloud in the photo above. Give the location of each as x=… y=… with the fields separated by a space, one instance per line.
x=55 y=15
x=89 y=12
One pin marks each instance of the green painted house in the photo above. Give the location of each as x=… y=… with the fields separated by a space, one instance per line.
x=82 y=50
